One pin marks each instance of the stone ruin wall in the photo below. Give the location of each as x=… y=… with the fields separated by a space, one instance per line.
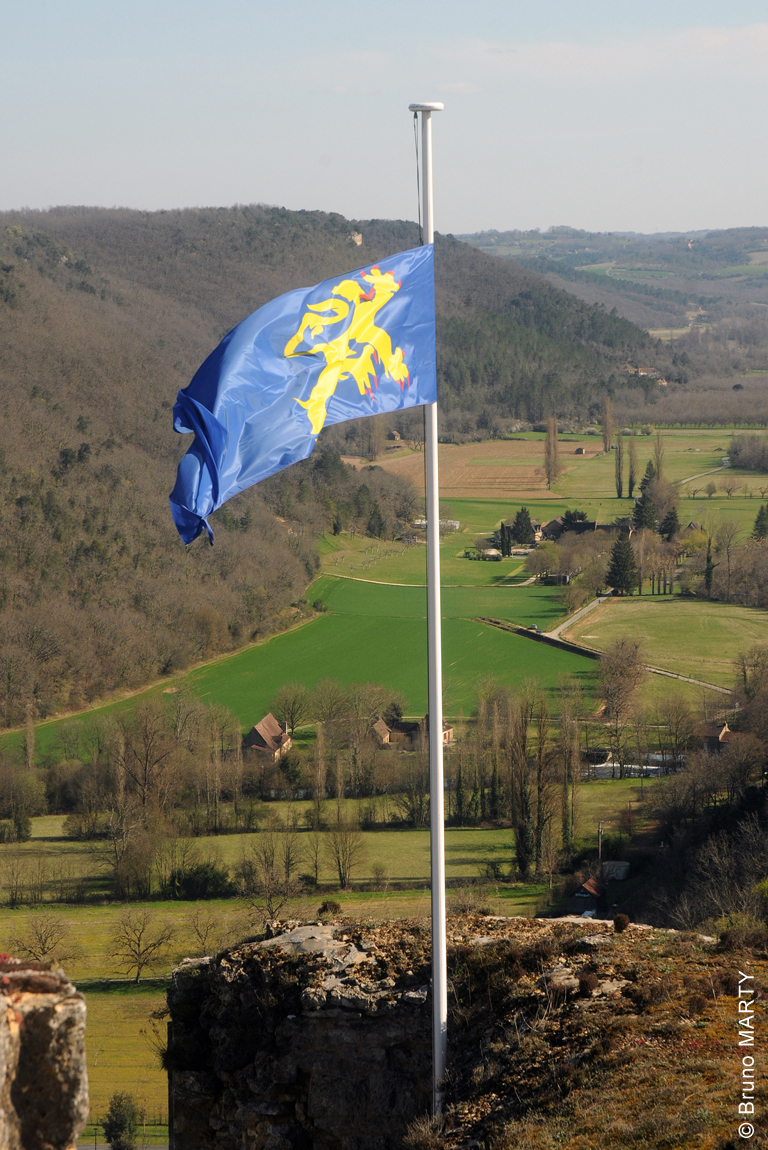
x=313 y=1038
x=43 y=1079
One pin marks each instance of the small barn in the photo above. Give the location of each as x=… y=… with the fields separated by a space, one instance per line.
x=382 y=733
x=554 y=529
x=407 y=734
x=716 y=736
x=269 y=738
x=589 y=897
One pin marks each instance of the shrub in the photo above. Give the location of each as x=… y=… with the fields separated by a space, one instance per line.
x=755 y=938
x=620 y=923
x=696 y=1005
x=203 y=880
x=23 y=826
x=724 y=982
x=425 y=1133
x=329 y=909
x=588 y=981
x=121 y=1122
x=469 y=900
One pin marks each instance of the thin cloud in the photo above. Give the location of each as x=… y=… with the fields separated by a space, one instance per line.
x=461 y=88
x=741 y=51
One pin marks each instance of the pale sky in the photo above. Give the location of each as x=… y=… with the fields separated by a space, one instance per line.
x=602 y=114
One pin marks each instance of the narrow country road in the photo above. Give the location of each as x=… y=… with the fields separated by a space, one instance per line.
x=556 y=632
x=712 y=470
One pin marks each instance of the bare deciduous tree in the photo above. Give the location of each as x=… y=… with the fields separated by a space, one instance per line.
x=658 y=457
x=619 y=466
x=146 y=750
x=290 y=704
x=620 y=676
x=266 y=871
x=139 y=942
x=345 y=850
x=725 y=543
x=45 y=937
x=208 y=932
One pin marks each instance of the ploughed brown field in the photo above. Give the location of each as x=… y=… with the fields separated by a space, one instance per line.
x=497 y=469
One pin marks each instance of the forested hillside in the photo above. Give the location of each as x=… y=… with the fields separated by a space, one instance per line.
x=707 y=292
x=103 y=316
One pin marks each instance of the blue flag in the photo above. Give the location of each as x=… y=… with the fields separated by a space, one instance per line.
x=354 y=345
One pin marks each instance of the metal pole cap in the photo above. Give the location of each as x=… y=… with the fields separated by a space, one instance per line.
x=426 y=107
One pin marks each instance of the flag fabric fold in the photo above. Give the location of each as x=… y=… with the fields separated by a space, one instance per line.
x=356 y=345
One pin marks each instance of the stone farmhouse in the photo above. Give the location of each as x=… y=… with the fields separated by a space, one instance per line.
x=405 y=734
x=268 y=738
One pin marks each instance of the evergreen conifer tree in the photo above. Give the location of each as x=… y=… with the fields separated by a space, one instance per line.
x=645 y=512
x=622 y=570
x=670 y=524
x=474 y=804
x=760 y=530
x=709 y=568
x=522 y=528
x=461 y=798
x=648 y=478
x=632 y=477
x=376 y=524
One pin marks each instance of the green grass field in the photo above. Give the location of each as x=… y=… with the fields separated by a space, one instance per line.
x=375 y=630
x=358 y=644
x=689 y=637
x=358 y=558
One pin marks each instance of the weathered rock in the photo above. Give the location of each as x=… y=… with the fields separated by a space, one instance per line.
x=44 y=1091
x=611 y=985
x=561 y=979
x=595 y=941
x=298 y=1040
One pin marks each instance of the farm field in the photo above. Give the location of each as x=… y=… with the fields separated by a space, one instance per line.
x=689 y=637
x=365 y=639
x=403 y=853
x=381 y=636
x=356 y=557
x=378 y=633
x=586 y=481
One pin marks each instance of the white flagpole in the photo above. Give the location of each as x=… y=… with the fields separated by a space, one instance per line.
x=436 y=785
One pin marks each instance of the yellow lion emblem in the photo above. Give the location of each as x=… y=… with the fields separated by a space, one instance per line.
x=357 y=349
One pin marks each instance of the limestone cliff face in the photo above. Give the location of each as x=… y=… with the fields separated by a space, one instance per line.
x=313 y=1038
x=44 y=1084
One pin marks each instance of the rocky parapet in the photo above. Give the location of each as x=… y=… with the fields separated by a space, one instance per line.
x=319 y=1036
x=44 y=1092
